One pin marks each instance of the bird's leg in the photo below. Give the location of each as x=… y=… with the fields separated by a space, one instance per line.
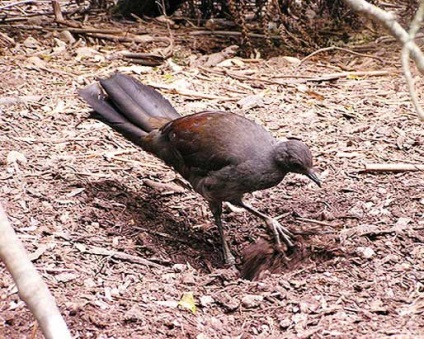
x=273 y=224
x=216 y=208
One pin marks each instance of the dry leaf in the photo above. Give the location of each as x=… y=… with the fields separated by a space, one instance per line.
x=187 y=301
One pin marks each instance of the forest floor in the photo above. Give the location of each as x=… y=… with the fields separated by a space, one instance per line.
x=89 y=206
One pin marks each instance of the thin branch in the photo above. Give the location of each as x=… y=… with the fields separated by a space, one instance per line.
x=388 y=20
x=32 y=289
x=406 y=51
x=409 y=48
x=339 y=49
x=393 y=167
x=14 y=4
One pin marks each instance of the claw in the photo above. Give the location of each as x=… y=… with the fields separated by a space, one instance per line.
x=278 y=231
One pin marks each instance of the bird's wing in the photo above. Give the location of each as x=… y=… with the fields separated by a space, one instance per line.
x=210 y=141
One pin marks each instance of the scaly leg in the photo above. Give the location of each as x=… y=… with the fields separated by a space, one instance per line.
x=276 y=228
x=216 y=208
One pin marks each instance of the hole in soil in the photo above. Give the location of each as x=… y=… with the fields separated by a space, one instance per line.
x=264 y=257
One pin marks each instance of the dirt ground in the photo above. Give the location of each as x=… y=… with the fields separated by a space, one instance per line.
x=89 y=206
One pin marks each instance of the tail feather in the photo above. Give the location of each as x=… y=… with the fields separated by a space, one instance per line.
x=131 y=108
x=107 y=113
x=152 y=102
x=139 y=103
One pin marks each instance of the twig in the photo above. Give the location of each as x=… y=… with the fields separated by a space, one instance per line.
x=229 y=33
x=388 y=20
x=302 y=79
x=32 y=289
x=393 y=167
x=76 y=30
x=145 y=59
x=5 y=38
x=339 y=49
x=313 y=221
x=164 y=186
x=328 y=77
x=163 y=235
x=14 y=4
x=406 y=51
x=170 y=49
x=193 y=94
x=128 y=38
x=19 y=100
x=117 y=255
x=59 y=16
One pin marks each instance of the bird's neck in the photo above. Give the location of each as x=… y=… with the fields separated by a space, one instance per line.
x=281 y=156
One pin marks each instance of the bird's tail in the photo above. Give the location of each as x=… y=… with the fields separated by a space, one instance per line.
x=128 y=106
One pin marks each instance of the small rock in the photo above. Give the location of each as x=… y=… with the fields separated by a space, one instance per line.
x=173 y=66
x=206 y=300
x=188 y=279
x=16 y=157
x=65 y=277
x=229 y=302
x=291 y=60
x=30 y=42
x=168 y=277
x=216 y=324
x=366 y=252
x=285 y=323
x=251 y=300
x=67 y=37
x=135 y=313
x=35 y=61
x=179 y=268
x=137 y=69
x=250 y=101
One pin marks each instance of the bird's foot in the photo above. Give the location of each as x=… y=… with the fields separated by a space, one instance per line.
x=280 y=232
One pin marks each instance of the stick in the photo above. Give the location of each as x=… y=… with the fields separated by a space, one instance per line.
x=393 y=167
x=339 y=49
x=229 y=33
x=31 y=287
x=117 y=255
x=169 y=187
x=313 y=221
x=59 y=16
x=18 y=100
x=333 y=76
x=13 y=4
x=189 y=93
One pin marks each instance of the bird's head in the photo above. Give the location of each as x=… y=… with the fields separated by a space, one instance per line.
x=294 y=156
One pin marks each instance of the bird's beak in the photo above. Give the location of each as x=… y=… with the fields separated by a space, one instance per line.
x=311 y=175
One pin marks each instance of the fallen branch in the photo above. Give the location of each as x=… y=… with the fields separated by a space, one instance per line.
x=326 y=49
x=393 y=167
x=406 y=52
x=14 y=4
x=117 y=255
x=313 y=221
x=145 y=59
x=19 y=100
x=59 y=16
x=299 y=78
x=334 y=76
x=230 y=33
x=31 y=287
x=193 y=94
x=168 y=187
x=406 y=39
